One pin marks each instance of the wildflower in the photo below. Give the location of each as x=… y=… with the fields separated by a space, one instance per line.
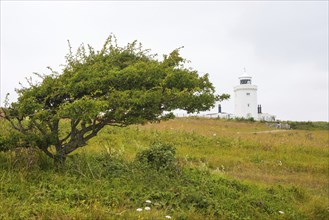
x=139 y=209
x=148 y=201
x=147 y=208
x=168 y=216
x=223 y=168
x=281 y=212
x=101 y=114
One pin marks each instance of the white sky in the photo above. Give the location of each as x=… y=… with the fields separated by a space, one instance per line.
x=283 y=45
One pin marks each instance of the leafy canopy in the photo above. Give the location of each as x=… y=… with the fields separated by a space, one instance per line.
x=116 y=86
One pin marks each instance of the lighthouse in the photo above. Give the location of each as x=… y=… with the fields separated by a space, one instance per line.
x=246 y=98
x=246 y=105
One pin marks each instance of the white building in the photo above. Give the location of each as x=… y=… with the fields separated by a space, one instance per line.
x=246 y=105
x=246 y=98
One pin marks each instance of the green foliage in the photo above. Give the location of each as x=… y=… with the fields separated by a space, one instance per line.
x=159 y=156
x=116 y=86
x=3 y=143
x=251 y=119
x=309 y=125
x=89 y=189
x=11 y=140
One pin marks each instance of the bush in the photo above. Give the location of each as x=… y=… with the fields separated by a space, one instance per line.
x=308 y=125
x=11 y=140
x=242 y=119
x=159 y=156
x=3 y=143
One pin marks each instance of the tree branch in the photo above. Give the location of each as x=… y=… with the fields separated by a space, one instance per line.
x=94 y=132
x=74 y=124
x=47 y=152
x=79 y=140
x=21 y=127
x=5 y=116
x=38 y=126
x=54 y=129
x=65 y=138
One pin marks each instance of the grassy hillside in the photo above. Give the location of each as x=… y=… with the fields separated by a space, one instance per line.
x=224 y=170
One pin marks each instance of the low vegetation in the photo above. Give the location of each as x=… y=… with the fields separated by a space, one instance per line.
x=189 y=168
x=309 y=125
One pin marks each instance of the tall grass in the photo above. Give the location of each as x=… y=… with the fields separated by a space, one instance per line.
x=225 y=170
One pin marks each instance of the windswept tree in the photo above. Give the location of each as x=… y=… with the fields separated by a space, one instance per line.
x=116 y=86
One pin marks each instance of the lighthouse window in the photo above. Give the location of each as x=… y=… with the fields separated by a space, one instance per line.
x=245 y=81
x=248 y=93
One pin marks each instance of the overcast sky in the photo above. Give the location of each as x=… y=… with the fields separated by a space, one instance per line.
x=283 y=45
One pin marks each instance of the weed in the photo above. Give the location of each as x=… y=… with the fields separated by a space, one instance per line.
x=159 y=156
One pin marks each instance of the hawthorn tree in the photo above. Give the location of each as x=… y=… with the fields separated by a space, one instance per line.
x=116 y=86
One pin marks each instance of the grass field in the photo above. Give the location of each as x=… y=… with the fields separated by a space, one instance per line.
x=224 y=170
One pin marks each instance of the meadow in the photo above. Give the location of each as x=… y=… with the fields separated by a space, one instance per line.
x=220 y=169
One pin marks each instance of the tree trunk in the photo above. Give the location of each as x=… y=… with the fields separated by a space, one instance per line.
x=59 y=162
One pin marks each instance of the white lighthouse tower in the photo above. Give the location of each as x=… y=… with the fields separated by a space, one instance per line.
x=246 y=98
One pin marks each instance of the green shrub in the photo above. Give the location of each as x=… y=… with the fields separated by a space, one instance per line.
x=308 y=125
x=251 y=119
x=7 y=141
x=159 y=156
x=3 y=141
